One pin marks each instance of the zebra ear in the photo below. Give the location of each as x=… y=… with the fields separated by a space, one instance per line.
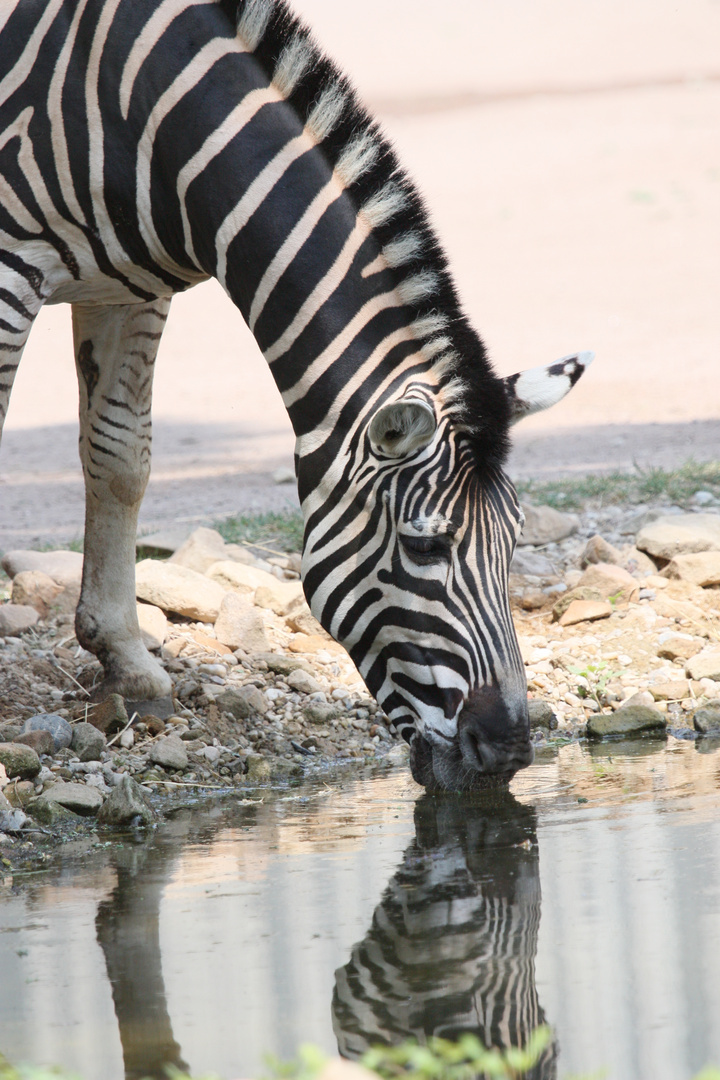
x=402 y=427
x=539 y=388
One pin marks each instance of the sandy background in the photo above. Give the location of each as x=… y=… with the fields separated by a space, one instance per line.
x=570 y=156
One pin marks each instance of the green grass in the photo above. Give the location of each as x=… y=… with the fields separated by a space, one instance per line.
x=282 y=532
x=641 y=486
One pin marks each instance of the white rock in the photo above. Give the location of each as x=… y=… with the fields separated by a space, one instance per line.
x=242 y=578
x=64 y=567
x=281 y=597
x=153 y=625
x=700 y=568
x=16 y=618
x=240 y=624
x=680 y=534
x=202 y=548
x=303 y=682
x=544 y=525
x=284 y=475
x=176 y=588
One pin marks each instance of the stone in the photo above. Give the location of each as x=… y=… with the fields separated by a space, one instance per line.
x=612 y=582
x=679 y=648
x=576 y=593
x=637 y=563
x=42 y=742
x=153 y=708
x=259 y=769
x=88 y=741
x=108 y=716
x=201 y=549
x=47 y=812
x=281 y=597
x=532 y=562
x=321 y=712
x=303 y=682
x=312 y=643
x=240 y=624
x=283 y=475
x=585 y=611
x=211 y=644
x=544 y=525
x=79 y=798
x=19 y=792
x=674 y=690
x=64 y=567
x=628 y=720
x=176 y=588
x=283 y=665
x=680 y=534
x=153 y=626
x=35 y=589
x=169 y=752
x=161 y=543
x=16 y=619
x=58 y=727
x=302 y=621
x=700 y=568
x=707 y=719
x=125 y=805
x=541 y=715
x=243 y=702
x=598 y=550
x=238 y=576
x=706 y=665
x=19 y=760
x=12 y=821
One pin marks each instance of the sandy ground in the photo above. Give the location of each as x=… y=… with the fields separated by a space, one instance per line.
x=570 y=156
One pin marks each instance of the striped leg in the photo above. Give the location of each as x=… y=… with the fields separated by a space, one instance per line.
x=115 y=349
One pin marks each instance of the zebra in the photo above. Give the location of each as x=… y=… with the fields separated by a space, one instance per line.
x=451 y=949
x=148 y=145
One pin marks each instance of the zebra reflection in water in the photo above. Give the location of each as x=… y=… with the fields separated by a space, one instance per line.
x=452 y=944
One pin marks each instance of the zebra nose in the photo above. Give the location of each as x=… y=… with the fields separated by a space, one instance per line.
x=494 y=732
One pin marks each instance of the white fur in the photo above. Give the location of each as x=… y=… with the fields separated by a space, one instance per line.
x=403 y=248
x=417 y=286
x=383 y=205
x=359 y=155
x=292 y=64
x=427 y=325
x=326 y=113
x=253 y=22
x=402 y=427
x=540 y=388
x=436 y=346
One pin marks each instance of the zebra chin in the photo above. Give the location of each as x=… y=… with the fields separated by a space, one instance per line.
x=491 y=745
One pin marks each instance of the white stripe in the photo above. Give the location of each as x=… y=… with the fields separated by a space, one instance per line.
x=26 y=61
x=57 y=122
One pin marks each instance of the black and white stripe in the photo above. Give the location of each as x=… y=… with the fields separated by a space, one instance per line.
x=148 y=144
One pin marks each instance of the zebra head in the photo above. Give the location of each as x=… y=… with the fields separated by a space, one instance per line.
x=408 y=544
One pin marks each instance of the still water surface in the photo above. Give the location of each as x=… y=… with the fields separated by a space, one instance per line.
x=588 y=898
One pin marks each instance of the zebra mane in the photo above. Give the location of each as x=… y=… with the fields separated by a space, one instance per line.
x=363 y=157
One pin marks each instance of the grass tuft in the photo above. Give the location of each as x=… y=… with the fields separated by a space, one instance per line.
x=642 y=486
x=282 y=532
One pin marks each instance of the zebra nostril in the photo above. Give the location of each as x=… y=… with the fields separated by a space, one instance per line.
x=476 y=751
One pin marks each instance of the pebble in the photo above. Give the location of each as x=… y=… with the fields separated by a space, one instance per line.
x=56 y=725
x=169 y=752
x=125 y=805
x=19 y=760
x=628 y=720
x=88 y=742
x=79 y=798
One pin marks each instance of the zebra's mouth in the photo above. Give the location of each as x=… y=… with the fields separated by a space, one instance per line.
x=466 y=763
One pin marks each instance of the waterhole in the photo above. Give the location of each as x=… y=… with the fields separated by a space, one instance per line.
x=587 y=898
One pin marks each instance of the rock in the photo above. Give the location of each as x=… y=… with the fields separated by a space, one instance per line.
x=611 y=582
x=283 y=475
x=706 y=665
x=707 y=719
x=669 y=691
x=41 y=742
x=162 y=543
x=281 y=597
x=533 y=600
x=58 y=727
x=321 y=712
x=146 y=709
x=585 y=611
x=48 y=812
x=641 y=697
x=238 y=576
x=76 y=797
x=176 y=588
x=628 y=720
x=64 y=567
x=563 y=603
x=109 y=716
x=637 y=563
x=201 y=549
x=169 y=752
x=303 y=682
x=153 y=626
x=35 y=589
x=211 y=644
x=283 y=665
x=541 y=715
x=679 y=648
x=701 y=568
x=88 y=742
x=19 y=793
x=302 y=621
x=125 y=805
x=598 y=550
x=12 y=821
x=258 y=769
x=16 y=619
x=680 y=534
x=532 y=562
x=242 y=703
x=240 y=624
x=312 y=643
x=544 y=525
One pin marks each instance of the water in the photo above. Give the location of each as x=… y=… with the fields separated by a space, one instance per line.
x=347 y=917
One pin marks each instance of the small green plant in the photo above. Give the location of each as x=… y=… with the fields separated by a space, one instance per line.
x=595 y=679
x=642 y=485
x=441 y=1059
x=279 y=532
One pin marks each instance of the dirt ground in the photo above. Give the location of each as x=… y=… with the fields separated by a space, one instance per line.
x=570 y=158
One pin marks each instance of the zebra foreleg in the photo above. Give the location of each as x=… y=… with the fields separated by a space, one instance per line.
x=115 y=349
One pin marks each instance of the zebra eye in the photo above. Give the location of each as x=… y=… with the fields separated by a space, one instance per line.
x=425 y=550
